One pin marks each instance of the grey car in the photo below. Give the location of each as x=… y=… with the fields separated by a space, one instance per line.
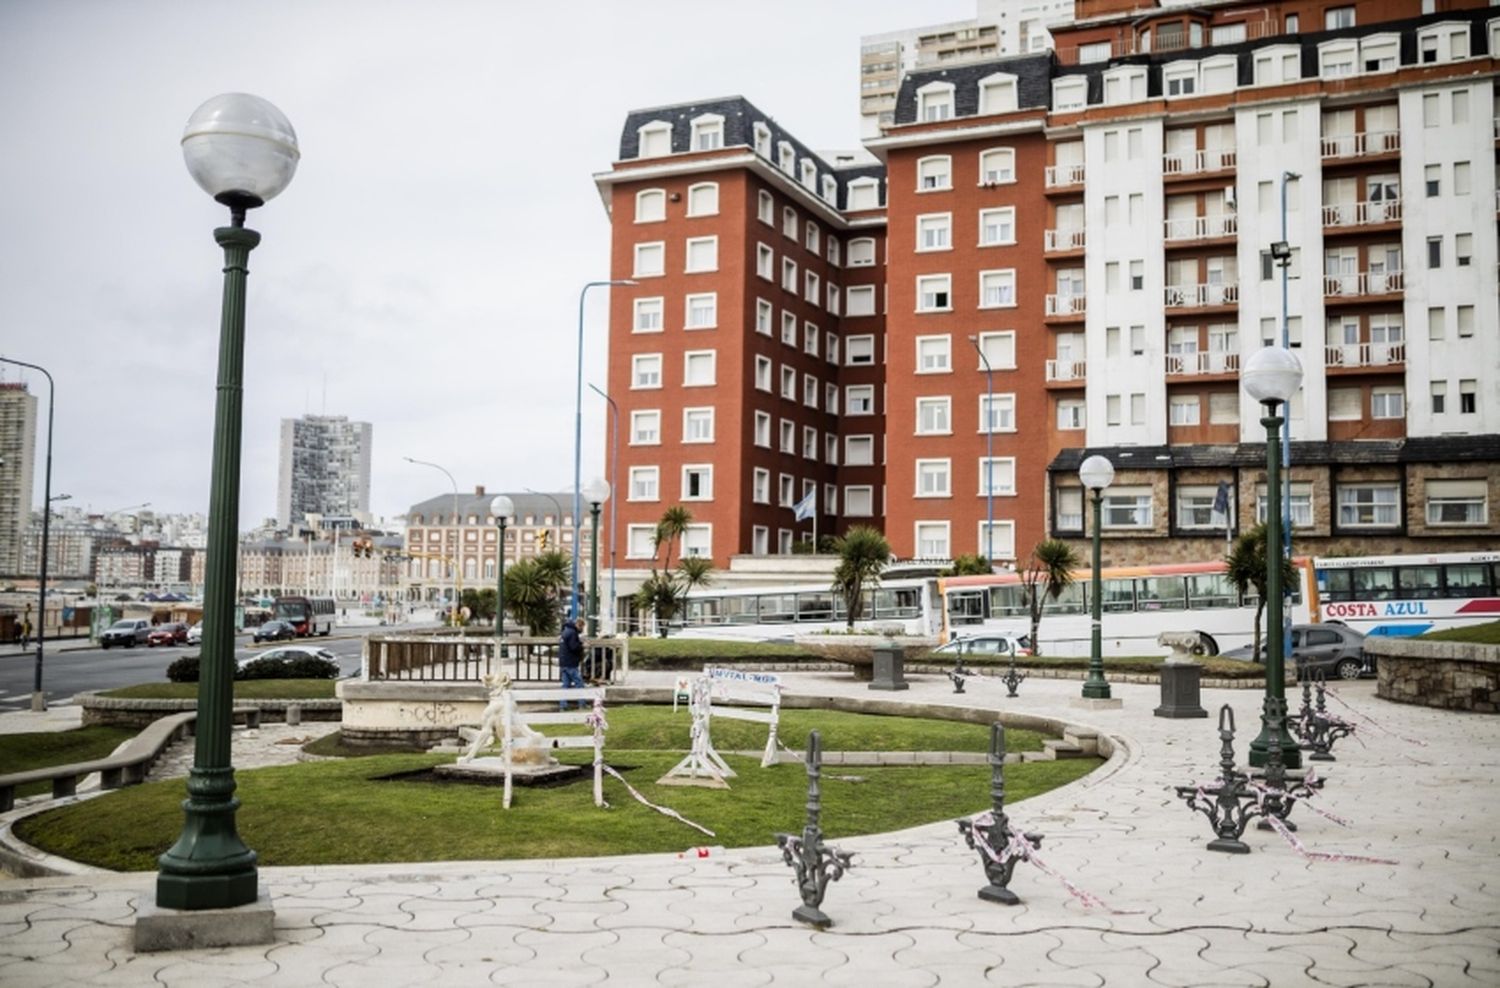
x=130 y=632
x=1333 y=649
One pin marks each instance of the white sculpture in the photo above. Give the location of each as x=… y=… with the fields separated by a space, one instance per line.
x=492 y=723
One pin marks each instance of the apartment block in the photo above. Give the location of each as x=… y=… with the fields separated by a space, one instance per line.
x=324 y=468
x=17 y=463
x=1074 y=255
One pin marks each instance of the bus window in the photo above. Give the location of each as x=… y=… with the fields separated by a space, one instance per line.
x=1419 y=581
x=1336 y=584
x=702 y=610
x=815 y=607
x=778 y=608
x=1117 y=595
x=740 y=610
x=1160 y=593
x=1008 y=601
x=1376 y=583
x=966 y=607
x=1467 y=579
x=903 y=602
x=1205 y=592
x=1070 y=601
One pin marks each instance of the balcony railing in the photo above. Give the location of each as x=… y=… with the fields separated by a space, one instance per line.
x=1066 y=370
x=1065 y=305
x=1362 y=213
x=1193 y=162
x=1196 y=296
x=1201 y=227
x=1359 y=145
x=1058 y=176
x=1364 y=283
x=1064 y=240
x=1268 y=27
x=1364 y=354
x=1203 y=362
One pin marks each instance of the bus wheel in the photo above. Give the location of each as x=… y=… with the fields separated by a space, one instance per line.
x=1206 y=645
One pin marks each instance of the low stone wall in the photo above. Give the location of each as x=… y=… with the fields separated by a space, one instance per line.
x=1450 y=675
x=137 y=714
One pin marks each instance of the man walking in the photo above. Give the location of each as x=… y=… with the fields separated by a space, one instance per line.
x=570 y=657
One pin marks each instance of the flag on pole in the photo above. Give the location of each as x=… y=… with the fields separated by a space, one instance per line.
x=1221 y=499
x=805 y=508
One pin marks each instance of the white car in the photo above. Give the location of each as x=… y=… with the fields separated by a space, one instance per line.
x=289 y=652
x=985 y=646
x=195 y=634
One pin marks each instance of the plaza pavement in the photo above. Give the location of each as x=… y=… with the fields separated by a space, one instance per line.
x=1422 y=790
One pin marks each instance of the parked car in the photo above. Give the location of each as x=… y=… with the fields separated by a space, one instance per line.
x=984 y=647
x=195 y=634
x=288 y=652
x=1333 y=649
x=172 y=633
x=130 y=632
x=275 y=631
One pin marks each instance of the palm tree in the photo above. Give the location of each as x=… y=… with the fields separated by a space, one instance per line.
x=863 y=553
x=530 y=597
x=971 y=564
x=1246 y=569
x=1046 y=575
x=694 y=571
x=674 y=522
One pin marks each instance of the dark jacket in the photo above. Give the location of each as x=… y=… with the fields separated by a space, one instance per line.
x=570 y=648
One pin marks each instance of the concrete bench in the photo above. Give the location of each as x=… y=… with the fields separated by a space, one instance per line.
x=126 y=767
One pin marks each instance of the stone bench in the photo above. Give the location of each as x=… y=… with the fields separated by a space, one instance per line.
x=126 y=767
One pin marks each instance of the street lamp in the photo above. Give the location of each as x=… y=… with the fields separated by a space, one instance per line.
x=242 y=151
x=578 y=437
x=38 y=697
x=614 y=471
x=1097 y=473
x=989 y=455
x=597 y=493
x=502 y=508
x=458 y=536
x=1271 y=377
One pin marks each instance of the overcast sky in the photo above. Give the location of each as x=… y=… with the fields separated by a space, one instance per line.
x=422 y=270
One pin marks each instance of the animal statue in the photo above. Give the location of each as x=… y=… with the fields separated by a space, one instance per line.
x=492 y=725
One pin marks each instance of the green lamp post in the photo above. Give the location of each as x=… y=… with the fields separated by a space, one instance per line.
x=502 y=508
x=1271 y=376
x=243 y=152
x=1097 y=473
x=597 y=492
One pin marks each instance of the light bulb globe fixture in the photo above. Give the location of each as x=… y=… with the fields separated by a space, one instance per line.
x=596 y=491
x=240 y=149
x=1272 y=375
x=1096 y=472
x=502 y=508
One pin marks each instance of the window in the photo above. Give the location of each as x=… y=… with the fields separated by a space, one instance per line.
x=809 y=391
x=788 y=430
x=997 y=226
x=997 y=289
x=789 y=328
x=645 y=371
x=702 y=254
x=1300 y=510
x=934 y=293
x=833 y=250
x=640 y=542
x=1432 y=176
x=784 y=541
x=1460 y=178
x=1338 y=59
x=859 y=501
x=1439 y=396
x=708 y=133
x=644 y=485
x=648 y=315
x=859 y=451
x=765 y=209
x=997 y=94
x=1137 y=275
x=788 y=274
x=859 y=351
x=763 y=373
x=1223 y=408
x=933 y=478
x=1070 y=414
x=1138 y=409
x=809 y=174
x=997 y=166
x=810 y=336
x=935 y=102
x=833 y=298
x=934 y=173
x=786 y=157
x=697 y=425
x=997 y=413
x=1435 y=323
x=1459 y=104
x=811 y=236
x=760 y=540
x=1463 y=249
x=697 y=541
x=859 y=399
x=831 y=350
x=1070 y=92
x=645 y=428
x=831 y=398
x=998 y=350
x=763 y=430
x=1434 y=252
x=1097 y=51
x=1465 y=321
x=933 y=355
x=698 y=482
x=1195 y=508
x=1181 y=80
x=933 y=417
x=698 y=368
x=1335 y=18
x=934 y=232
x=703 y=311
x=932 y=539
x=1468 y=398
x=650 y=206
x=1127 y=507
x=650 y=260
x=788 y=383
x=1344 y=404
x=764 y=316
x=1387 y=403
x=703 y=200
x=789 y=222
x=860 y=300
x=1369 y=505
x=760 y=486
x=809 y=443
x=864 y=193
x=1457 y=502
x=655 y=140
x=861 y=252
x=1183 y=410
x=765 y=262
x=997 y=476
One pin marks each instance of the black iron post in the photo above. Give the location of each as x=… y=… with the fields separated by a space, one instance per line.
x=816 y=864
x=1096 y=687
x=594 y=569
x=993 y=839
x=1273 y=707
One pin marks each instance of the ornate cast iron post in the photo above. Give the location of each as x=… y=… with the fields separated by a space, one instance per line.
x=1230 y=803
x=816 y=863
x=998 y=846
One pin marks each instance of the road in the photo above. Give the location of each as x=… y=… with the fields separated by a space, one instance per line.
x=67 y=672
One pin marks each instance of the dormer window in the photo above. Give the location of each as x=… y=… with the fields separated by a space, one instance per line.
x=1442 y=43
x=809 y=175
x=997 y=94
x=935 y=102
x=655 y=140
x=762 y=140
x=1180 y=79
x=708 y=132
x=830 y=189
x=1124 y=85
x=1277 y=65
x=1070 y=93
x=786 y=157
x=864 y=193
x=1380 y=53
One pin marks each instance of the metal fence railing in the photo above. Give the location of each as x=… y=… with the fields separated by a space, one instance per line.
x=452 y=658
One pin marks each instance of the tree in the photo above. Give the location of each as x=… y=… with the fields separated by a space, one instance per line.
x=1047 y=573
x=1246 y=569
x=533 y=591
x=480 y=602
x=672 y=526
x=971 y=564
x=665 y=590
x=863 y=552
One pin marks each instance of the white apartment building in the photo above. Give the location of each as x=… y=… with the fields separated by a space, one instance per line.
x=324 y=468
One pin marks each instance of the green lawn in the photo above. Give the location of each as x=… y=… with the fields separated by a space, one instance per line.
x=244 y=689
x=23 y=752
x=1483 y=634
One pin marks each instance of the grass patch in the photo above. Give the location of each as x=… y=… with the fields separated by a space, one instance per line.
x=1481 y=634
x=244 y=689
x=683 y=653
x=24 y=752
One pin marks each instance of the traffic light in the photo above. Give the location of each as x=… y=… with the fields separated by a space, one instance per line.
x=543 y=539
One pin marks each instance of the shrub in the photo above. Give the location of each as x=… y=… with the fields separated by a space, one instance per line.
x=302 y=667
x=184 y=670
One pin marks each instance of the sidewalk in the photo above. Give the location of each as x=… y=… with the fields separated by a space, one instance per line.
x=907 y=913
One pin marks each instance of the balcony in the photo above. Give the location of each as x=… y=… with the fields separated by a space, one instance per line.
x=1200 y=296
x=1365 y=283
x=1066 y=371
x=1355 y=355
x=1201 y=227
x=1061 y=176
x=1065 y=306
x=1361 y=145
x=1266 y=27
x=1203 y=362
x=1058 y=241
x=1356 y=214
x=1175 y=163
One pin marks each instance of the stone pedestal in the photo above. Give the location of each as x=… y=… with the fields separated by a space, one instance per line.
x=1180 y=696
x=890 y=673
x=158 y=928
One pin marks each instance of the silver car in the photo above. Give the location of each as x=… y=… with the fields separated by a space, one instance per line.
x=1333 y=649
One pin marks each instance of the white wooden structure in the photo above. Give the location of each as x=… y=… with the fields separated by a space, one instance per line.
x=735 y=695
x=518 y=732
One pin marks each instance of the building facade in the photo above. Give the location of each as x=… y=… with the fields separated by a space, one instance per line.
x=17 y=463
x=324 y=468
